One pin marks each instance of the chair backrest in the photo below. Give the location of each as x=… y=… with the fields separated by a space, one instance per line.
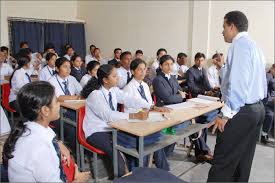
x=81 y=135
x=5 y=96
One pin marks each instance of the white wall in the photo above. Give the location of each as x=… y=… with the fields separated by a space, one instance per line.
x=188 y=26
x=136 y=25
x=57 y=10
x=260 y=16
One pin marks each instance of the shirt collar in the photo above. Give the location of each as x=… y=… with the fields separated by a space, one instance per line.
x=46 y=134
x=239 y=35
x=51 y=69
x=105 y=91
x=167 y=75
x=62 y=80
x=136 y=83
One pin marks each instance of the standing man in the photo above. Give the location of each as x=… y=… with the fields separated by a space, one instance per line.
x=243 y=88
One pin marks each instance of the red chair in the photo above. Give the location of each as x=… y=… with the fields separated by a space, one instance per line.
x=5 y=100
x=85 y=145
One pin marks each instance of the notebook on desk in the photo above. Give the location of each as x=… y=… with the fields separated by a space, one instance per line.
x=153 y=117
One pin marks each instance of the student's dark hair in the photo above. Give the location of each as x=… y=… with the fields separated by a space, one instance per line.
x=123 y=54
x=74 y=57
x=49 y=56
x=23 y=43
x=164 y=58
x=96 y=49
x=117 y=49
x=60 y=61
x=160 y=50
x=49 y=46
x=180 y=55
x=139 y=52
x=237 y=18
x=91 y=65
x=31 y=98
x=4 y=48
x=21 y=61
x=135 y=63
x=95 y=83
x=92 y=46
x=68 y=47
x=199 y=55
x=216 y=55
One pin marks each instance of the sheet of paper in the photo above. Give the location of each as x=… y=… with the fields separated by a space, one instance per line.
x=215 y=99
x=153 y=117
x=202 y=101
x=181 y=105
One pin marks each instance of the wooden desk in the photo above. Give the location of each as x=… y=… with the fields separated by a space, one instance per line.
x=73 y=122
x=142 y=129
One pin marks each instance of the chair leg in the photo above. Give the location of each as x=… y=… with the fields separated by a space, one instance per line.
x=95 y=166
x=82 y=158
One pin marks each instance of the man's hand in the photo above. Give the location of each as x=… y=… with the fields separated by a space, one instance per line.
x=220 y=124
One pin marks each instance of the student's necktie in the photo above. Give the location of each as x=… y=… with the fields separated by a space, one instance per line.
x=142 y=93
x=53 y=72
x=111 y=102
x=128 y=77
x=57 y=149
x=67 y=92
x=29 y=78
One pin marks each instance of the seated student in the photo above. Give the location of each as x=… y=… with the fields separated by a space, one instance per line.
x=124 y=73
x=269 y=106
x=5 y=69
x=155 y=64
x=213 y=71
x=24 y=44
x=34 y=67
x=101 y=107
x=8 y=59
x=98 y=56
x=181 y=65
x=139 y=54
x=64 y=49
x=116 y=61
x=32 y=152
x=66 y=88
x=137 y=88
x=77 y=70
x=197 y=79
x=69 y=53
x=49 y=70
x=90 y=56
x=18 y=79
x=91 y=68
x=49 y=48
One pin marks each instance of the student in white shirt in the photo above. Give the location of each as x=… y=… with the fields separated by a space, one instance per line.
x=124 y=73
x=90 y=56
x=66 y=88
x=49 y=70
x=77 y=70
x=8 y=59
x=32 y=152
x=101 y=107
x=5 y=69
x=98 y=57
x=91 y=68
x=213 y=72
x=139 y=54
x=137 y=88
x=181 y=64
x=155 y=64
x=18 y=79
x=69 y=53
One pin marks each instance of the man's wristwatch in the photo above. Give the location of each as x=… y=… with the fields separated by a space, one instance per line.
x=220 y=115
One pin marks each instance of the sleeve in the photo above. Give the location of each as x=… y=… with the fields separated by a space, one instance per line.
x=163 y=93
x=19 y=81
x=131 y=101
x=77 y=86
x=238 y=80
x=121 y=81
x=206 y=81
x=10 y=70
x=211 y=77
x=41 y=76
x=191 y=83
x=101 y=109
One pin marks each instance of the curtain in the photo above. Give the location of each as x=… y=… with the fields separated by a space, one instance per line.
x=32 y=32
x=76 y=38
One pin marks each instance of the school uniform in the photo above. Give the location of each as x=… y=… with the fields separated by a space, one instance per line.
x=213 y=76
x=124 y=77
x=155 y=65
x=101 y=108
x=35 y=157
x=84 y=80
x=46 y=73
x=142 y=91
x=67 y=57
x=78 y=73
x=67 y=86
x=89 y=58
x=5 y=70
x=19 y=79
